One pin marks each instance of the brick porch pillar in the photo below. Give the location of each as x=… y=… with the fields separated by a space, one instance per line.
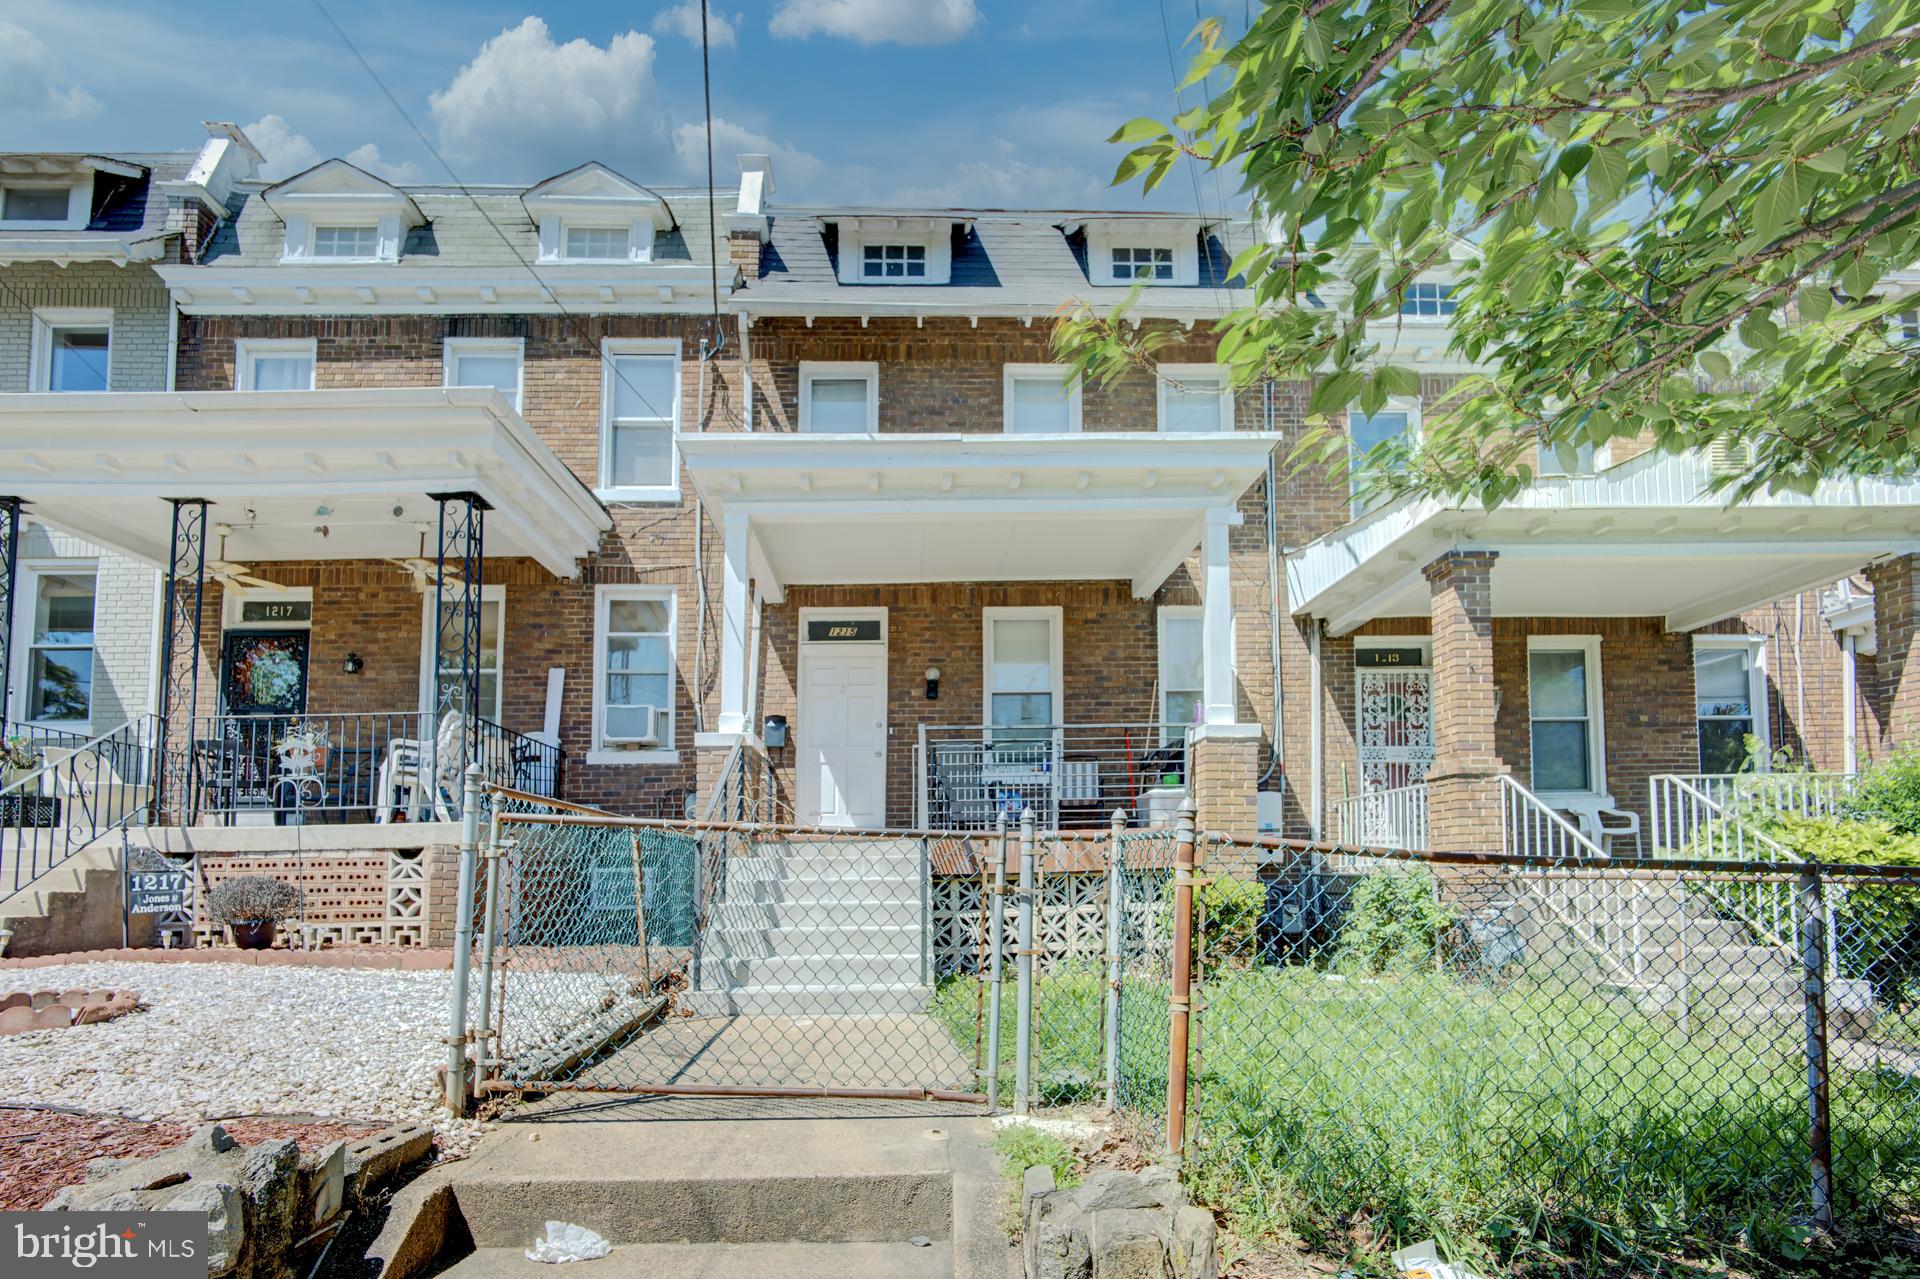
x=1463 y=789
x=1225 y=764
x=1895 y=697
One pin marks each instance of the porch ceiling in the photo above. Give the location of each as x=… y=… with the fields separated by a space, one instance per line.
x=1646 y=538
x=279 y=466
x=860 y=509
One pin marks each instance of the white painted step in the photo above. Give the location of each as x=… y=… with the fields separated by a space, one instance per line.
x=815 y=912
x=818 y=887
x=767 y=943
x=899 y=969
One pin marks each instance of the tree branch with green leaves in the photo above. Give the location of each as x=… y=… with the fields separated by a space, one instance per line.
x=1664 y=221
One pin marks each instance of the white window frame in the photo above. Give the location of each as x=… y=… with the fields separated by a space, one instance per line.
x=298 y=233
x=905 y=276
x=247 y=350
x=1055 y=616
x=313 y=241
x=1167 y=613
x=453 y=348
x=1184 y=374
x=26 y=597
x=79 y=210
x=603 y=596
x=1596 y=714
x=1012 y=373
x=1756 y=690
x=1133 y=276
x=836 y=371
x=604 y=489
x=640 y=233
x=1408 y=404
x=46 y=321
x=494 y=594
x=1412 y=317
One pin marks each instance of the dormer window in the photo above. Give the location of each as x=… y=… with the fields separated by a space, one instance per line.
x=34 y=204
x=361 y=242
x=599 y=243
x=894 y=261
x=1140 y=263
x=1428 y=300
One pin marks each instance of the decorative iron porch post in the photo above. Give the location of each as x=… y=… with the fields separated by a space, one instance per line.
x=456 y=639
x=180 y=658
x=9 y=571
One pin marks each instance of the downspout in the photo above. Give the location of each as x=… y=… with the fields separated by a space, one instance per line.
x=746 y=376
x=1316 y=781
x=1849 y=692
x=1275 y=584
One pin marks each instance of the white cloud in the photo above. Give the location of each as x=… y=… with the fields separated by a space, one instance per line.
x=32 y=82
x=683 y=20
x=287 y=153
x=877 y=21
x=792 y=167
x=526 y=107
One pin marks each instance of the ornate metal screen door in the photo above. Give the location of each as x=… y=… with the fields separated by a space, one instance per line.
x=1395 y=712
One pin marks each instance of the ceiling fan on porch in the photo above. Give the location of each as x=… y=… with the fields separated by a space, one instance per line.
x=425 y=570
x=238 y=578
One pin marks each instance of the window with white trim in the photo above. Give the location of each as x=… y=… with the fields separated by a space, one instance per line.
x=59 y=684
x=640 y=410
x=839 y=398
x=274 y=365
x=893 y=261
x=1398 y=419
x=41 y=205
x=493 y=629
x=1040 y=399
x=1569 y=459
x=1730 y=700
x=596 y=243
x=352 y=243
x=1195 y=398
x=494 y=362
x=633 y=683
x=1563 y=714
x=1023 y=672
x=1141 y=262
x=1182 y=691
x=1428 y=300
x=72 y=350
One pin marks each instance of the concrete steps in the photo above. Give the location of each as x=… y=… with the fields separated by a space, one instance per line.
x=52 y=921
x=729 y=1261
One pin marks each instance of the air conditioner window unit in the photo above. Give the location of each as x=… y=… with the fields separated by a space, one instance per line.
x=632 y=726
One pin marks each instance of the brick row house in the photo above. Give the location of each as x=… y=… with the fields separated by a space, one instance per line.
x=630 y=505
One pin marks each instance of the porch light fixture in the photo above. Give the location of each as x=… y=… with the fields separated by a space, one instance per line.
x=933 y=683
x=352 y=665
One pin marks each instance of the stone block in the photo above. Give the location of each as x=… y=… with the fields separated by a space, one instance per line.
x=1034 y=1183
x=1060 y=1244
x=226 y=1220
x=1192 y=1248
x=323 y=1182
x=1163 y=1183
x=1130 y=1243
x=373 y=1161
x=1111 y=1188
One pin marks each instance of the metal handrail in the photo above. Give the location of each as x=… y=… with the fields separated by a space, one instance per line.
x=1393 y=816
x=966 y=775
x=66 y=805
x=1530 y=827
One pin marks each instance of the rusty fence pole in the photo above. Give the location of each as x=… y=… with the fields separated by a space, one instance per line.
x=1813 y=955
x=1116 y=950
x=1179 y=999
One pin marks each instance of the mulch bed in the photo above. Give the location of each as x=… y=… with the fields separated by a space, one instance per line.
x=44 y=1150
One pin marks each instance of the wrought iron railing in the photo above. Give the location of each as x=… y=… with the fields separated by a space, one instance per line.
x=1392 y=817
x=1072 y=775
x=291 y=770
x=77 y=792
x=532 y=765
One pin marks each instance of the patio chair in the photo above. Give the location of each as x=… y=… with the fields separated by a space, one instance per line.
x=960 y=786
x=1603 y=823
x=399 y=779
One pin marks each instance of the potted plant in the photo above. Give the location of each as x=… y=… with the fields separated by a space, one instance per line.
x=19 y=757
x=251 y=907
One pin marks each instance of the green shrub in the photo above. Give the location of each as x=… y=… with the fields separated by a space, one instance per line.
x=1394 y=920
x=1889 y=792
x=252 y=899
x=1877 y=925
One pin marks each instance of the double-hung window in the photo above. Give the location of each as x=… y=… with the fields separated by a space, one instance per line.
x=485 y=362
x=841 y=398
x=640 y=399
x=1399 y=419
x=894 y=262
x=493 y=610
x=1139 y=263
x=1195 y=398
x=1041 y=399
x=1182 y=692
x=60 y=649
x=72 y=350
x=351 y=243
x=633 y=675
x=1729 y=690
x=274 y=365
x=1565 y=734
x=1023 y=673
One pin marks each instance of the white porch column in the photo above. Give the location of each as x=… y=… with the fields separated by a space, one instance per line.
x=1216 y=617
x=734 y=614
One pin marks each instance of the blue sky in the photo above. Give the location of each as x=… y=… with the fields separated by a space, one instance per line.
x=983 y=102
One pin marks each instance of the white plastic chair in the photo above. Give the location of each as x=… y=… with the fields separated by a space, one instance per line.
x=1603 y=823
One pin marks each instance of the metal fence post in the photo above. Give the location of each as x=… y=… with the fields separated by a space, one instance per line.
x=1813 y=955
x=1116 y=942
x=994 y=905
x=1179 y=998
x=489 y=942
x=456 y=1081
x=1023 y=1013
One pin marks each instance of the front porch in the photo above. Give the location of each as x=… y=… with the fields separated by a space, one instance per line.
x=1519 y=679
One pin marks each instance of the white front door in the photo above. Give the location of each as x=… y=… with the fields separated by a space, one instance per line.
x=842 y=735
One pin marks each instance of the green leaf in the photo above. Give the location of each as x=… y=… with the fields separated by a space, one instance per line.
x=1814 y=302
x=1717 y=365
x=1140 y=129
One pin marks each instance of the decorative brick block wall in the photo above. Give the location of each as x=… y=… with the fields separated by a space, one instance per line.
x=381 y=897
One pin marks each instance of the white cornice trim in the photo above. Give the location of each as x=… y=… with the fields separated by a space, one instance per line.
x=61 y=250
x=312 y=289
